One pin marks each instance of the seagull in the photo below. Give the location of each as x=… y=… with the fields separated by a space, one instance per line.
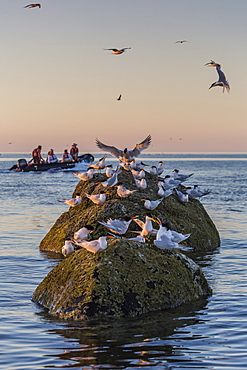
x=83 y=233
x=125 y=155
x=168 y=180
x=118 y=226
x=222 y=78
x=153 y=171
x=94 y=246
x=68 y=248
x=160 y=168
x=120 y=96
x=139 y=238
x=32 y=6
x=108 y=170
x=85 y=176
x=162 y=192
x=138 y=174
x=100 y=164
x=137 y=166
x=182 y=197
x=97 y=198
x=166 y=185
x=147 y=226
x=196 y=193
x=141 y=184
x=118 y=51
x=73 y=202
x=165 y=242
x=113 y=180
x=152 y=204
x=180 y=41
x=123 y=192
x=180 y=176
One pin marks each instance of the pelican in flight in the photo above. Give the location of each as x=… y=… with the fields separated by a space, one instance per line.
x=118 y=51
x=32 y=6
x=222 y=78
x=125 y=155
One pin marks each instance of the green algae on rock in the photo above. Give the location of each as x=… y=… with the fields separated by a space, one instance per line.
x=125 y=280
x=187 y=218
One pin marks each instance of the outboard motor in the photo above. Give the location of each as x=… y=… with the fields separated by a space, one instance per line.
x=21 y=164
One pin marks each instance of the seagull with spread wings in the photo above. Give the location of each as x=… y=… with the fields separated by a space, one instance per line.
x=118 y=51
x=32 y=6
x=125 y=155
x=222 y=78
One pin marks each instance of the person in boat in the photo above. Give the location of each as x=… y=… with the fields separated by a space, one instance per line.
x=51 y=157
x=74 y=152
x=66 y=157
x=36 y=154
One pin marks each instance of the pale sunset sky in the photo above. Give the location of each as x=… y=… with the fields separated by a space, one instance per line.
x=59 y=86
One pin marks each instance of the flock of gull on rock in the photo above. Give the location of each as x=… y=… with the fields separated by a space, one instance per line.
x=165 y=238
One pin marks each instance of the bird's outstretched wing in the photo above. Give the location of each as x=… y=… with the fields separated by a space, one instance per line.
x=221 y=74
x=111 y=149
x=139 y=147
x=112 y=49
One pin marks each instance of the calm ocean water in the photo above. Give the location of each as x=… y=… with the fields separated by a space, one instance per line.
x=208 y=334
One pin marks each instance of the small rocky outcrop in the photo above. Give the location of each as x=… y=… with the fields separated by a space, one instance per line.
x=186 y=218
x=125 y=280
x=128 y=278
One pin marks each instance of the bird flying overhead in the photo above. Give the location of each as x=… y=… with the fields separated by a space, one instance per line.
x=120 y=96
x=33 y=6
x=180 y=41
x=125 y=155
x=222 y=78
x=117 y=51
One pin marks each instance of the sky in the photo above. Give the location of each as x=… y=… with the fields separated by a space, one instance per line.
x=58 y=85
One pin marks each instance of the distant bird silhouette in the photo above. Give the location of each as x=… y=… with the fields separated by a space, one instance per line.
x=125 y=155
x=222 y=78
x=120 y=96
x=180 y=41
x=118 y=51
x=33 y=6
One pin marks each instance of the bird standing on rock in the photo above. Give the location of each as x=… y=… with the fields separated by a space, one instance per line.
x=83 y=233
x=97 y=198
x=118 y=226
x=73 y=202
x=68 y=248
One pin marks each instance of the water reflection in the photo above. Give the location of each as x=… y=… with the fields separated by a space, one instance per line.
x=150 y=340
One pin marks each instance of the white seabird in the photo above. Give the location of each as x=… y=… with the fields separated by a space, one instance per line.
x=196 y=192
x=94 y=246
x=109 y=171
x=97 y=198
x=73 y=202
x=182 y=197
x=113 y=180
x=68 y=248
x=100 y=164
x=165 y=242
x=222 y=78
x=160 y=168
x=162 y=192
x=118 y=226
x=147 y=226
x=83 y=233
x=152 y=204
x=125 y=155
x=180 y=176
x=141 y=184
x=153 y=171
x=123 y=192
x=85 y=176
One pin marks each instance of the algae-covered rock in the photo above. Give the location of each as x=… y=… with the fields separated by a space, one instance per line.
x=125 y=280
x=185 y=217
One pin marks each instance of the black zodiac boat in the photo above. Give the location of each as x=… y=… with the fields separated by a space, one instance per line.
x=23 y=166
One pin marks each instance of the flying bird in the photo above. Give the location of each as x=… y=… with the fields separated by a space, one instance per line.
x=222 y=78
x=125 y=155
x=120 y=96
x=73 y=202
x=118 y=51
x=32 y=6
x=180 y=41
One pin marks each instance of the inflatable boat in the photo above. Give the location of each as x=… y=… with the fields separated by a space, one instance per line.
x=23 y=166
